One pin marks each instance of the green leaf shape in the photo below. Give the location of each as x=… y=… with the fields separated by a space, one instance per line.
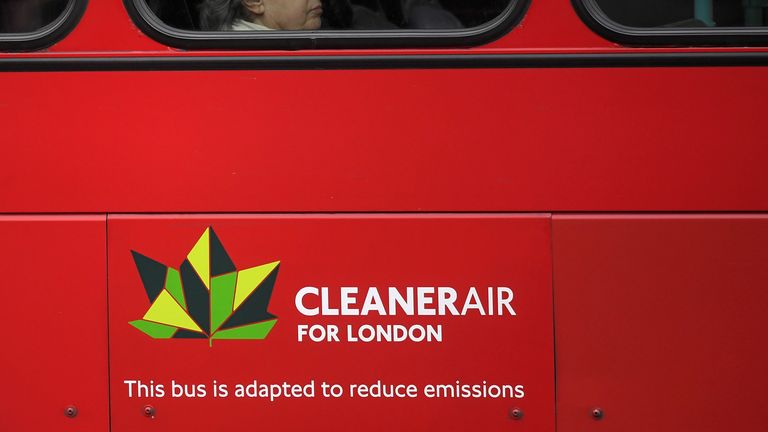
x=252 y=331
x=236 y=300
x=173 y=285
x=155 y=330
x=222 y=298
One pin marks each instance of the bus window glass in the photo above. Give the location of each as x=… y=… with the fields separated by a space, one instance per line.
x=695 y=14
x=299 y=15
x=28 y=16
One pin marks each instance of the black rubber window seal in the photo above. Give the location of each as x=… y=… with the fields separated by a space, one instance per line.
x=48 y=35
x=153 y=27
x=600 y=23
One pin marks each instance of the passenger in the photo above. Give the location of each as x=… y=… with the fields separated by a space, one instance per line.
x=248 y=15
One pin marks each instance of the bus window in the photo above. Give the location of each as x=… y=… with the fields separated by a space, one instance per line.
x=33 y=24
x=693 y=22
x=327 y=14
x=27 y=16
x=333 y=23
x=685 y=13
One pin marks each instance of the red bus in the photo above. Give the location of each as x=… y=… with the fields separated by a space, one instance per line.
x=383 y=215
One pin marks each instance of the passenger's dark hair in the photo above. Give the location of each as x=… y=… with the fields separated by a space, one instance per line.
x=220 y=14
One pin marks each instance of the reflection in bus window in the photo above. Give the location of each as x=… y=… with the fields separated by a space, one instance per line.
x=685 y=13
x=250 y=15
x=27 y=16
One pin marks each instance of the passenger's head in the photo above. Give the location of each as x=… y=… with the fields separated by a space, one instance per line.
x=273 y=14
x=285 y=14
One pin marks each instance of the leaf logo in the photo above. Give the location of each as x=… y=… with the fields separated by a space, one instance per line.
x=207 y=298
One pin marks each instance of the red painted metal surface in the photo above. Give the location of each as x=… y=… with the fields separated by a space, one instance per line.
x=54 y=318
x=334 y=251
x=417 y=140
x=106 y=27
x=658 y=318
x=623 y=139
x=661 y=322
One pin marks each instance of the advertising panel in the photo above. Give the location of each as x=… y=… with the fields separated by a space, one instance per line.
x=331 y=322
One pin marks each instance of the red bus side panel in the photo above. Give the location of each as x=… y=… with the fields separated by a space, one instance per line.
x=342 y=251
x=660 y=322
x=414 y=140
x=54 y=312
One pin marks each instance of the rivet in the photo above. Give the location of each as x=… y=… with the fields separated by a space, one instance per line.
x=597 y=413
x=149 y=411
x=516 y=413
x=70 y=411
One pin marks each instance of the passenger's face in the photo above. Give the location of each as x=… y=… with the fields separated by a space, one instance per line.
x=292 y=14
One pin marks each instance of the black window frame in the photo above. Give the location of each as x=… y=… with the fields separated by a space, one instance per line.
x=48 y=35
x=589 y=12
x=153 y=27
